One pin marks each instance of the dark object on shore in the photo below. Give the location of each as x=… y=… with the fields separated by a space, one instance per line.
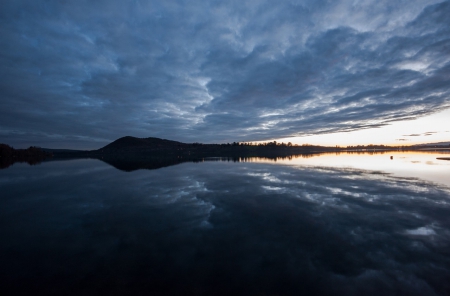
x=392 y=157
x=32 y=155
x=443 y=158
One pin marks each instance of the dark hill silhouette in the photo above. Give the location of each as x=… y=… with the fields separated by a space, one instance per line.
x=138 y=148
x=144 y=148
x=129 y=142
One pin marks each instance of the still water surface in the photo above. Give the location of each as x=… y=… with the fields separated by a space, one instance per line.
x=348 y=224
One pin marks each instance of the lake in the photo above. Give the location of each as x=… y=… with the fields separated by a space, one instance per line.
x=331 y=224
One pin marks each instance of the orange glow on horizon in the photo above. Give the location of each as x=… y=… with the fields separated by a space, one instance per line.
x=428 y=129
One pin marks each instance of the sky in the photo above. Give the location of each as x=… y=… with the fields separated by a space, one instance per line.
x=428 y=129
x=79 y=74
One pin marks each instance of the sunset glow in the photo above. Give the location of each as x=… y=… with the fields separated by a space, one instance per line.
x=433 y=128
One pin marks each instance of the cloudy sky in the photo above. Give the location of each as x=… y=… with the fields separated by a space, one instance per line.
x=82 y=73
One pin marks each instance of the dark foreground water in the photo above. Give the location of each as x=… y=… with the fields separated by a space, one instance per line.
x=82 y=227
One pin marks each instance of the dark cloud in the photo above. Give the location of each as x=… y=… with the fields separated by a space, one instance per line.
x=88 y=72
x=418 y=135
x=223 y=229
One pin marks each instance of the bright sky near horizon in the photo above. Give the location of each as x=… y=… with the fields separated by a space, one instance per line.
x=80 y=74
x=428 y=129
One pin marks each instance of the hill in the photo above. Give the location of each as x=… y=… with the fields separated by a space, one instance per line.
x=128 y=142
x=133 y=144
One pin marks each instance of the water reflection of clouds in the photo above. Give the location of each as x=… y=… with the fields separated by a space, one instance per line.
x=248 y=227
x=417 y=164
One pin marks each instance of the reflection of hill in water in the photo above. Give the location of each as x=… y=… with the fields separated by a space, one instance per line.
x=129 y=164
x=132 y=162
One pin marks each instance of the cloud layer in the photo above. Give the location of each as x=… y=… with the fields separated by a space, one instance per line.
x=89 y=72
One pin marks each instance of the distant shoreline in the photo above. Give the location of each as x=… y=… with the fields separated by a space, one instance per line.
x=133 y=152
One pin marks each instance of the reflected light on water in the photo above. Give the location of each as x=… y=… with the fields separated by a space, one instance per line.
x=303 y=225
x=423 y=165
